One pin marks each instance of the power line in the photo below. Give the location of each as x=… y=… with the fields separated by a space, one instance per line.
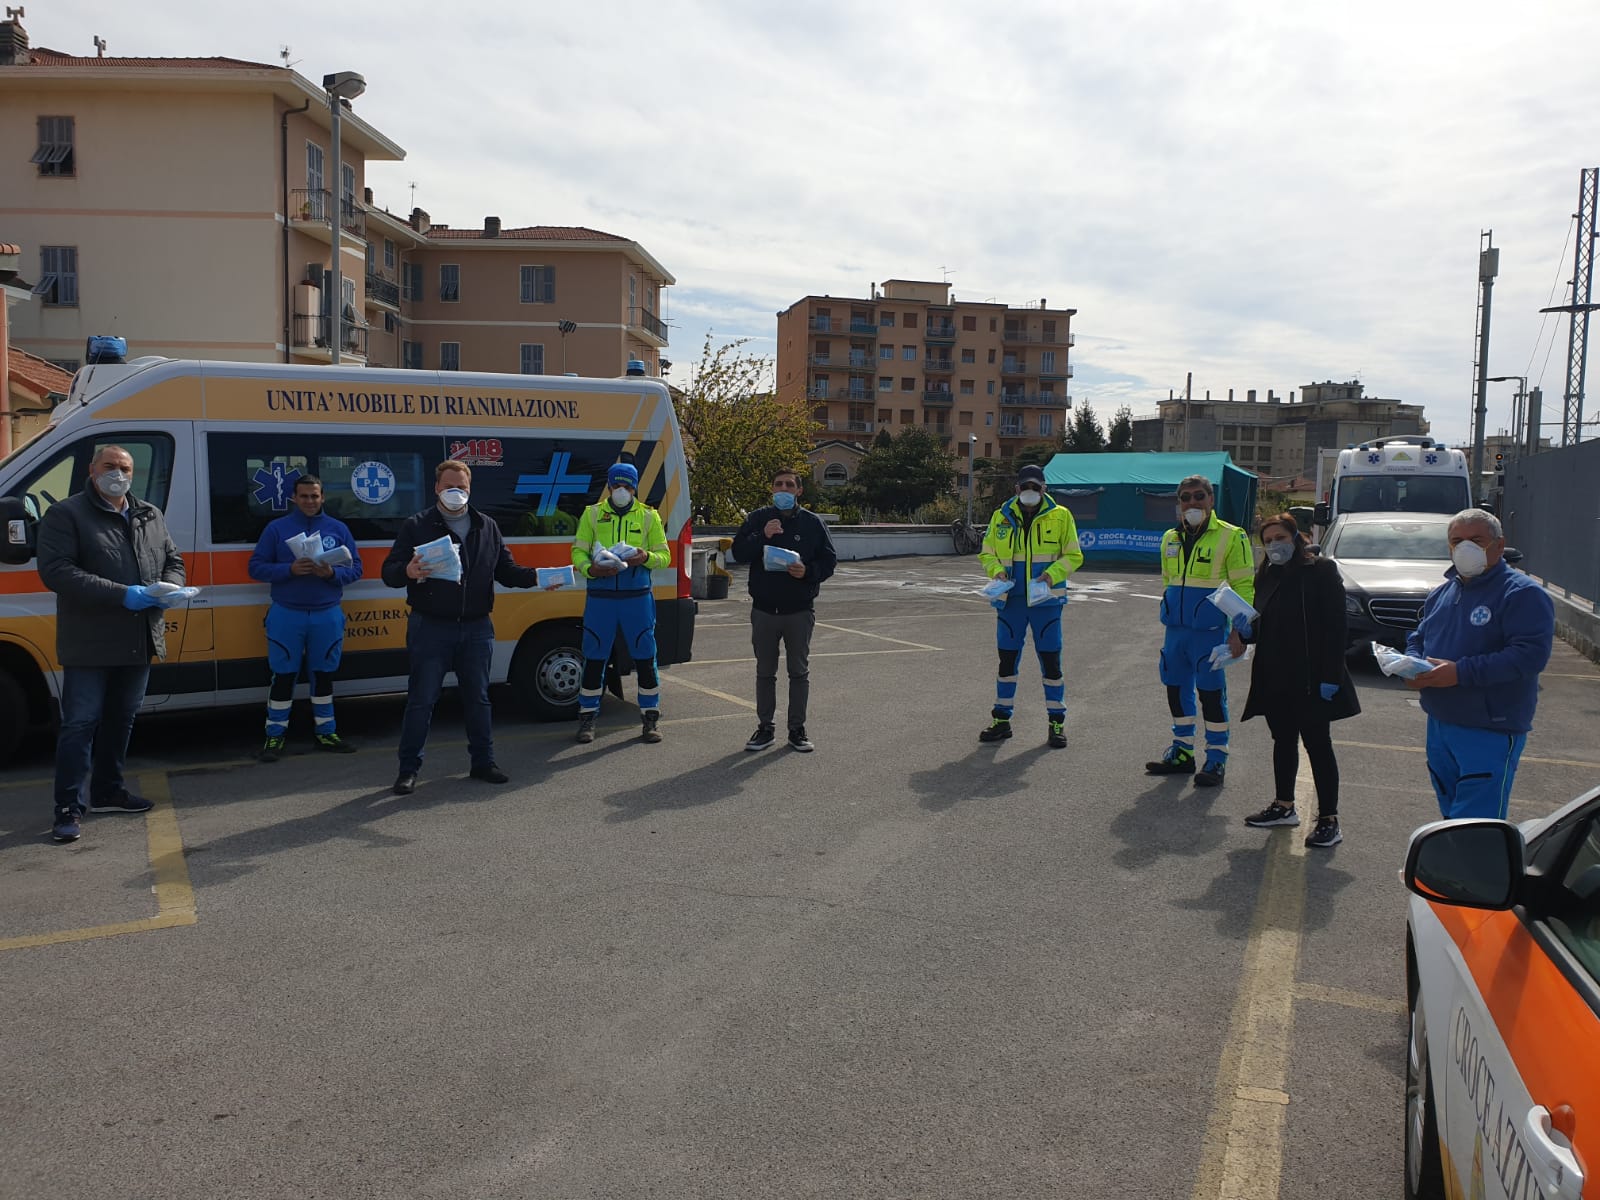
x=1545 y=320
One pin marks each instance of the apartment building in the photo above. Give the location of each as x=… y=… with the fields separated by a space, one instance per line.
x=910 y=354
x=1279 y=438
x=191 y=205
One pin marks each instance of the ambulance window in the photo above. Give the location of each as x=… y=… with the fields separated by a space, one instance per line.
x=68 y=472
x=371 y=483
x=538 y=487
x=1575 y=914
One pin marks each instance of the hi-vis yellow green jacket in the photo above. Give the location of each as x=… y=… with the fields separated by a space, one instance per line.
x=602 y=526
x=1048 y=549
x=1219 y=554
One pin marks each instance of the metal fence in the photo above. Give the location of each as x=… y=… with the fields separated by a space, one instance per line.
x=1550 y=507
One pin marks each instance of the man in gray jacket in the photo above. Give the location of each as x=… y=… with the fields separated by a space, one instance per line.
x=99 y=551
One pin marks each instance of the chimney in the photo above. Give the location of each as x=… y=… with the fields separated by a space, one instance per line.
x=491 y=227
x=419 y=220
x=1272 y=397
x=1251 y=395
x=1230 y=395
x=1043 y=303
x=366 y=196
x=13 y=41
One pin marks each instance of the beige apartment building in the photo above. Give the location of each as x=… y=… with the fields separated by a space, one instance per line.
x=191 y=205
x=910 y=354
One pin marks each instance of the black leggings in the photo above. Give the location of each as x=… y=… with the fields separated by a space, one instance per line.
x=1288 y=728
x=283 y=685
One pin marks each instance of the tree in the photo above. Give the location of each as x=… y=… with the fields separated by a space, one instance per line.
x=1086 y=435
x=901 y=474
x=1120 y=437
x=736 y=433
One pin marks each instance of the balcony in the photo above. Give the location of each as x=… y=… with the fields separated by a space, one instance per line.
x=1013 y=366
x=851 y=426
x=1012 y=430
x=1036 y=399
x=937 y=365
x=825 y=325
x=864 y=327
x=643 y=318
x=939 y=333
x=310 y=210
x=383 y=292
x=938 y=398
x=1062 y=372
x=310 y=204
x=940 y=430
x=853 y=395
x=855 y=362
x=311 y=336
x=353 y=219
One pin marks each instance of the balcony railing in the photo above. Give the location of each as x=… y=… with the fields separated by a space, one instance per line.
x=1062 y=372
x=939 y=333
x=353 y=218
x=310 y=204
x=1036 y=399
x=383 y=291
x=824 y=325
x=941 y=397
x=646 y=320
x=311 y=330
x=937 y=364
x=1013 y=366
x=855 y=362
x=854 y=395
x=1013 y=431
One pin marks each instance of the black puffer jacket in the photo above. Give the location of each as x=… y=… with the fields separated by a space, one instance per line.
x=89 y=555
x=485 y=561
x=805 y=534
x=1300 y=643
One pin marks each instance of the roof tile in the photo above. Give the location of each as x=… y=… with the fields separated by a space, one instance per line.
x=45 y=57
x=528 y=233
x=37 y=375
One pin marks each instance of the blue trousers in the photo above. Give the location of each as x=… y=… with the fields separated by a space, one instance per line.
x=603 y=618
x=438 y=647
x=1014 y=620
x=97 y=710
x=1185 y=669
x=314 y=637
x=1472 y=769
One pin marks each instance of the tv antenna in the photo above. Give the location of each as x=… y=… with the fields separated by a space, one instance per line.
x=99 y=46
x=283 y=53
x=413 y=193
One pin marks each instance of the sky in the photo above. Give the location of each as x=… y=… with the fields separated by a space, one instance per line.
x=1262 y=195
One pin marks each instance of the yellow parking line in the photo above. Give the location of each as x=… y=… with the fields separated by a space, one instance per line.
x=174 y=895
x=1345 y=998
x=1527 y=758
x=677 y=681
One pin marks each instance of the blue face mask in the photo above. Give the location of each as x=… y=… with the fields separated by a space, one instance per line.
x=783 y=500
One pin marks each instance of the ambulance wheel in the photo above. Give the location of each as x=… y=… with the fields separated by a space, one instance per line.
x=1424 y=1170
x=14 y=716
x=547 y=672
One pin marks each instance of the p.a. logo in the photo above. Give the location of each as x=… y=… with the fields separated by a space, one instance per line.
x=372 y=482
x=1086 y=539
x=1480 y=615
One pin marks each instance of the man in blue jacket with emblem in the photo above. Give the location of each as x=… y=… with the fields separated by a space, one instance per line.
x=1488 y=631
x=306 y=621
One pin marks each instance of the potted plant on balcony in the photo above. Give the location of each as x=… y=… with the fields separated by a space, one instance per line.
x=305 y=210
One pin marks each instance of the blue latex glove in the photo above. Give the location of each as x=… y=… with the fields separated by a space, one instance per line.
x=1328 y=690
x=138 y=597
x=1241 y=623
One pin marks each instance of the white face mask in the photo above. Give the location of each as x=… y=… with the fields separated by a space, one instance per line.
x=1470 y=559
x=1280 y=552
x=1194 y=517
x=621 y=497
x=454 y=499
x=114 y=483
x=1028 y=498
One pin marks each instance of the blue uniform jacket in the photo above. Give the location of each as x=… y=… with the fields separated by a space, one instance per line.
x=1497 y=629
x=271 y=560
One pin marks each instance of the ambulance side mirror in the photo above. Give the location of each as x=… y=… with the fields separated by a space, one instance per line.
x=1319 y=513
x=21 y=540
x=1472 y=863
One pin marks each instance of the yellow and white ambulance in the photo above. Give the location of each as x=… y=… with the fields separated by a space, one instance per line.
x=218 y=445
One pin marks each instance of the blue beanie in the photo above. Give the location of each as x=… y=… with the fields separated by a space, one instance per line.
x=623 y=473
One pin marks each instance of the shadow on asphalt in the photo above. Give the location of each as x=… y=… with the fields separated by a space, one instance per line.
x=1171 y=818
x=975 y=777
x=720 y=780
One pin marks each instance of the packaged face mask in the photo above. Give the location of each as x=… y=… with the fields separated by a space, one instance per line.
x=622 y=550
x=776 y=558
x=339 y=556
x=1231 y=604
x=1039 y=593
x=442 y=557
x=1393 y=663
x=556 y=576
x=996 y=588
x=1222 y=656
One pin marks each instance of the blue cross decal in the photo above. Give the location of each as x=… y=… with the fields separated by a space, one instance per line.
x=1374 y=458
x=1431 y=459
x=550 y=486
x=274 y=486
x=372 y=482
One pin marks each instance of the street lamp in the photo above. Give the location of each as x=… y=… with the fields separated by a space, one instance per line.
x=565 y=327
x=972 y=482
x=340 y=86
x=1516 y=408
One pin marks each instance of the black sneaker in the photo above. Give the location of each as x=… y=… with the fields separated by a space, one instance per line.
x=489 y=773
x=651 y=722
x=334 y=744
x=998 y=731
x=1057 y=738
x=763 y=737
x=1326 y=835
x=1273 y=815
x=585 y=728
x=1211 y=775
x=123 y=802
x=799 y=741
x=405 y=783
x=1178 y=760
x=65 y=828
x=272 y=749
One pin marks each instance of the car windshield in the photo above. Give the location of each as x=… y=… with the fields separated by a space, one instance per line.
x=1402 y=493
x=1392 y=539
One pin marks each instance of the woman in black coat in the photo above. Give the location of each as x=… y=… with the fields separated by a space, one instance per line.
x=1299 y=680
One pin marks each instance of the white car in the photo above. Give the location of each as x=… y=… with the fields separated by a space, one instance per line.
x=1503 y=979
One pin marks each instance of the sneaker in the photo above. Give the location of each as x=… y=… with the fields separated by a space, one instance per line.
x=65 y=828
x=1326 y=835
x=998 y=731
x=1178 y=760
x=763 y=737
x=405 y=783
x=799 y=741
x=1211 y=775
x=1057 y=738
x=489 y=773
x=272 y=749
x=585 y=728
x=1272 y=815
x=123 y=802
x=333 y=742
x=650 y=721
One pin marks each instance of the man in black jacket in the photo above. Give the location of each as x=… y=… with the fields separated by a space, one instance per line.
x=449 y=628
x=781 y=599
x=99 y=551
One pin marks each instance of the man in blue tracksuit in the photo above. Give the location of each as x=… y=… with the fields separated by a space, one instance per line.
x=306 y=621
x=1488 y=631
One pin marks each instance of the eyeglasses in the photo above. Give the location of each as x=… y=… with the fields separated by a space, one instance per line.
x=1194 y=495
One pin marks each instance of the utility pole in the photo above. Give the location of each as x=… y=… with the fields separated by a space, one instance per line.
x=1488 y=268
x=1581 y=307
x=1188 y=392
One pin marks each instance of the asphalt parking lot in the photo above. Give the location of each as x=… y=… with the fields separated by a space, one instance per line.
x=906 y=965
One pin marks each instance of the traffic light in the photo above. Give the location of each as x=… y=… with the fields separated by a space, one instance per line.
x=1499 y=464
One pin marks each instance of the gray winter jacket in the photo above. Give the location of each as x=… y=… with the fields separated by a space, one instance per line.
x=89 y=555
